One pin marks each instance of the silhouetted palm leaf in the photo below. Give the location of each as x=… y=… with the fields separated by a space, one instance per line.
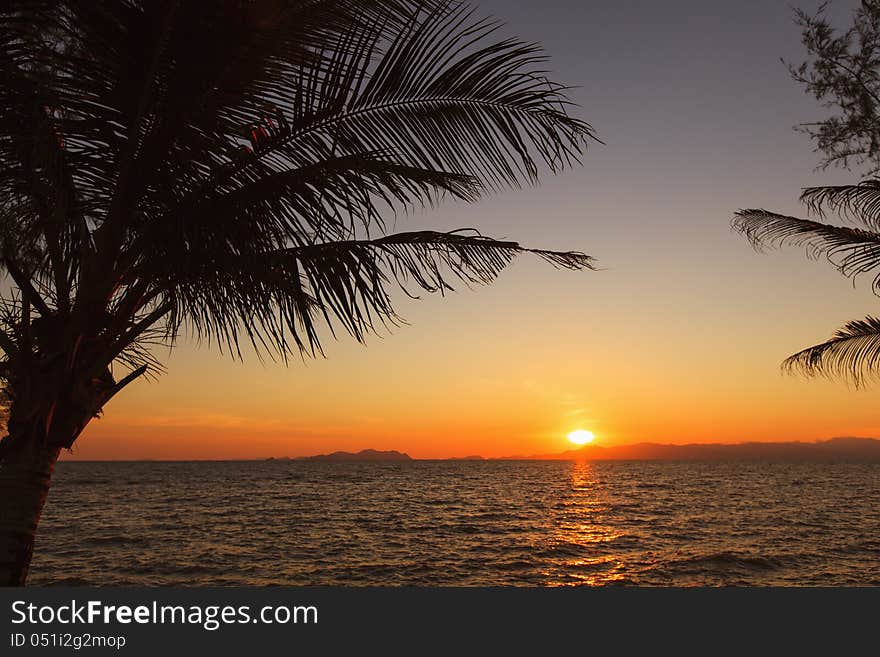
x=859 y=202
x=852 y=353
x=347 y=283
x=851 y=250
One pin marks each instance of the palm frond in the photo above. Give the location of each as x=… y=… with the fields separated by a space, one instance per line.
x=444 y=96
x=329 y=200
x=348 y=284
x=851 y=250
x=441 y=96
x=853 y=353
x=859 y=202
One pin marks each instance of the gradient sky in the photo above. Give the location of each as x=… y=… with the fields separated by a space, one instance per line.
x=678 y=339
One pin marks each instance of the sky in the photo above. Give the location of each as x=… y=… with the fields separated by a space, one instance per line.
x=677 y=339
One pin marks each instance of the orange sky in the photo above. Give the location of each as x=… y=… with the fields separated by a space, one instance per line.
x=678 y=339
x=510 y=369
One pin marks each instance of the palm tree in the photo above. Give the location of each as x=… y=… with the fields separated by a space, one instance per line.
x=853 y=352
x=228 y=169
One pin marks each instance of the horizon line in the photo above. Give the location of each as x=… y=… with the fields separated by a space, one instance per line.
x=573 y=454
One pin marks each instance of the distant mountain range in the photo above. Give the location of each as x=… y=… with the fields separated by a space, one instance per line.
x=835 y=449
x=363 y=455
x=848 y=449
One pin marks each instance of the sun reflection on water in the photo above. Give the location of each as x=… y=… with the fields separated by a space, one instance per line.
x=580 y=546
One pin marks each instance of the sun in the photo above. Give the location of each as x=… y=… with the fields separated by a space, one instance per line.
x=581 y=437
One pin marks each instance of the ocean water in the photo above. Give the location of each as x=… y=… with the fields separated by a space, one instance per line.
x=431 y=523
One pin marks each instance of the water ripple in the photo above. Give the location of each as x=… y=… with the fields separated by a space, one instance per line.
x=461 y=524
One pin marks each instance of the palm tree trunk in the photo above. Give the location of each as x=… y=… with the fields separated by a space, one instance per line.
x=25 y=475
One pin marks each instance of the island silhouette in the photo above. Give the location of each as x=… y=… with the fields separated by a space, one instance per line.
x=363 y=455
x=833 y=449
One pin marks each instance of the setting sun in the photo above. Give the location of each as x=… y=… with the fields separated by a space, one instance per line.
x=581 y=437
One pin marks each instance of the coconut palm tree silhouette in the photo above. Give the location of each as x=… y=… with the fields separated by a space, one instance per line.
x=853 y=352
x=227 y=168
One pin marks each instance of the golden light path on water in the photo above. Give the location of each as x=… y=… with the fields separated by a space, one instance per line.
x=581 y=528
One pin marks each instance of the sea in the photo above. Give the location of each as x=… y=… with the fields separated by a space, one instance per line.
x=460 y=523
